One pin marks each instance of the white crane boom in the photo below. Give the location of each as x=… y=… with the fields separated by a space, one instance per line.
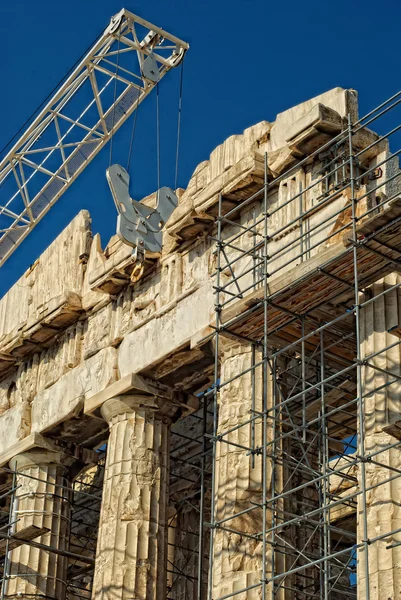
x=106 y=87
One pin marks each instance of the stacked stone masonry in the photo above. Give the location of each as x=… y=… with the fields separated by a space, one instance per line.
x=96 y=349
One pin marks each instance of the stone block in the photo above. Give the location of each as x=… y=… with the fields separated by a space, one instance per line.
x=47 y=298
x=313 y=129
x=168 y=330
x=281 y=160
x=57 y=273
x=228 y=172
x=235 y=184
x=14 y=425
x=64 y=400
x=340 y=100
x=56 y=315
x=98 y=327
x=110 y=274
x=60 y=358
x=185 y=223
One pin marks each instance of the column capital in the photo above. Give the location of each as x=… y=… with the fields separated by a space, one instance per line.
x=229 y=348
x=39 y=457
x=127 y=404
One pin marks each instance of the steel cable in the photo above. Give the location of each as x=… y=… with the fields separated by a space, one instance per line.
x=158 y=136
x=179 y=126
x=132 y=138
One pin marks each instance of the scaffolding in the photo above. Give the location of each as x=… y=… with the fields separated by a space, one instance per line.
x=83 y=496
x=278 y=481
x=299 y=266
x=190 y=472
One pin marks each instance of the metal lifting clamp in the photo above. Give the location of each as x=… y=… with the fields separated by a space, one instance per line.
x=138 y=225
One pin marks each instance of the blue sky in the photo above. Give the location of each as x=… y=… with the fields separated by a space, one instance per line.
x=248 y=61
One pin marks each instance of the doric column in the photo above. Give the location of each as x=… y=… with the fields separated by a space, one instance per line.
x=381 y=380
x=237 y=559
x=132 y=539
x=42 y=499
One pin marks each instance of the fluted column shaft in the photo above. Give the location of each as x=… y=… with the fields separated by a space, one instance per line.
x=381 y=380
x=42 y=499
x=237 y=560
x=132 y=539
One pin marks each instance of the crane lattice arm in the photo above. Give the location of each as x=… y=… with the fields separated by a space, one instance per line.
x=106 y=87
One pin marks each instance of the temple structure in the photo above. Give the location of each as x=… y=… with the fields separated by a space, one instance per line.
x=222 y=420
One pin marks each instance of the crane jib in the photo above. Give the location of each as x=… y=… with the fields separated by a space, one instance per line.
x=80 y=118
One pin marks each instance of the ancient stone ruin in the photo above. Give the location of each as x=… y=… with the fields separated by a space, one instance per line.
x=222 y=420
